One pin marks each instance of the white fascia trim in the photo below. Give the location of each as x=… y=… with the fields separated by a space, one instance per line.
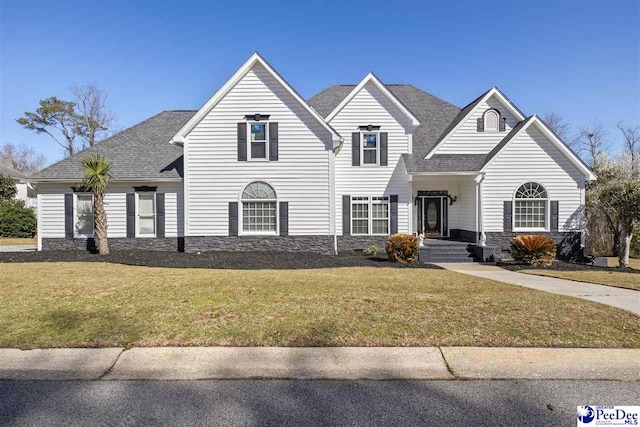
x=373 y=79
x=180 y=137
x=494 y=91
x=71 y=180
x=443 y=173
x=573 y=158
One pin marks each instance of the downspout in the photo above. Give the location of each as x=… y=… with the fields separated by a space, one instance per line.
x=332 y=199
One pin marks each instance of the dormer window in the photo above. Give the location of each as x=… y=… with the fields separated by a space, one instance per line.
x=491 y=121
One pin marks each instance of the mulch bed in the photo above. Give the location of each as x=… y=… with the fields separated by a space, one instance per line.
x=222 y=260
x=564 y=266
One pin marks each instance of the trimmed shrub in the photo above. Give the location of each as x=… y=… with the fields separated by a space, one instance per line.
x=16 y=219
x=403 y=248
x=8 y=189
x=533 y=249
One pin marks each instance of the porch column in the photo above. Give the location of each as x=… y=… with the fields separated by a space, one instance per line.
x=481 y=238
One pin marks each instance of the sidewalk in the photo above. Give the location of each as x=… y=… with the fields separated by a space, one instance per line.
x=347 y=363
x=626 y=299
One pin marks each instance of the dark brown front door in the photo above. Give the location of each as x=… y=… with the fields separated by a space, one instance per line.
x=432 y=216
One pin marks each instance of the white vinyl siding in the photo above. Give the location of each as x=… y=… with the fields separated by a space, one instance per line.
x=467 y=139
x=532 y=157
x=214 y=176
x=371 y=106
x=115 y=202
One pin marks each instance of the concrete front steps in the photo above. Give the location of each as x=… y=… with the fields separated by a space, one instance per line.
x=447 y=251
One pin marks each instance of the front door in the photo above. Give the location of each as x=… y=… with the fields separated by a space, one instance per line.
x=432 y=216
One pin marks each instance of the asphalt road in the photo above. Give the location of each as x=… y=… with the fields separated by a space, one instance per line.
x=308 y=403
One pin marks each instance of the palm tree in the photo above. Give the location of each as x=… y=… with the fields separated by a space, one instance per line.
x=96 y=180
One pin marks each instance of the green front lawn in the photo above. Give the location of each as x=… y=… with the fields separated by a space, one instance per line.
x=96 y=304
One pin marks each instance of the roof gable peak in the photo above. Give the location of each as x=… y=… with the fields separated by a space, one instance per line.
x=372 y=78
x=253 y=60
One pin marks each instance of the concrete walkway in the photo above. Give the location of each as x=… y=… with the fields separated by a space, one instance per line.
x=336 y=363
x=18 y=248
x=626 y=299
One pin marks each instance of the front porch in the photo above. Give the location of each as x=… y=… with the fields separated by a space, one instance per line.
x=446 y=250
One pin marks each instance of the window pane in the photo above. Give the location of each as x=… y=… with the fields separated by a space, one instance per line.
x=530 y=214
x=259 y=216
x=84 y=224
x=145 y=204
x=84 y=214
x=360 y=211
x=258 y=132
x=370 y=140
x=360 y=226
x=380 y=226
x=258 y=150
x=370 y=156
x=146 y=225
x=380 y=210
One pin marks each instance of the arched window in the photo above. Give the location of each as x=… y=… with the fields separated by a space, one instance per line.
x=259 y=205
x=530 y=211
x=491 y=120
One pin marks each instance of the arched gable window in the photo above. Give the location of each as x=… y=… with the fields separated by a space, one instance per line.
x=491 y=120
x=259 y=208
x=530 y=202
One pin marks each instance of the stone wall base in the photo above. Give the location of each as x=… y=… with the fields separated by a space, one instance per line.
x=568 y=243
x=317 y=244
x=116 y=243
x=355 y=243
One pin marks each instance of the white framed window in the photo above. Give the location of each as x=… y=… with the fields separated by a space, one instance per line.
x=258 y=140
x=84 y=215
x=259 y=209
x=530 y=211
x=491 y=121
x=370 y=148
x=369 y=215
x=146 y=215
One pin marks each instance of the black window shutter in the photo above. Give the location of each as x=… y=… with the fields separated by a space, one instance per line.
x=284 y=218
x=355 y=149
x=384 y=149
x=273 y=141
x=554 y=215
x=131 y=215
x=233 y=218
x=160 y=214
x=394 y=214
x=502 y=125
x=68 y=216
x=508 y=216
x=242 y=141
x=346 y=215
x=480 y=124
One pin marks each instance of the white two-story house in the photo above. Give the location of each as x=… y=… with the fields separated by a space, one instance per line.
x=260 y=168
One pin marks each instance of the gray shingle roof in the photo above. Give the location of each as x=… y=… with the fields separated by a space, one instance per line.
x=507 y=138
x=444 y=163
x=139 y=152
x=11 y=173
x=434 y=113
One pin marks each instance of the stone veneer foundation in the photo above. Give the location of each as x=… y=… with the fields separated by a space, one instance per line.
x=317 y=244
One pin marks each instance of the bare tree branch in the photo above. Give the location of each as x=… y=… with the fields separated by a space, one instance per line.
x=592 y=144
x=21 y=158
x=560 y=126
x=95 y=114
x=631 y=137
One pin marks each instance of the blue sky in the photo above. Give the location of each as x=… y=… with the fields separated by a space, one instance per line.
x=578 y=58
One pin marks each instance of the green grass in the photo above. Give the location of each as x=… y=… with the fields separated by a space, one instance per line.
x=95 y=304
x=6 y=241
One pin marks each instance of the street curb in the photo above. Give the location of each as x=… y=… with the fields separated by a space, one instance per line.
x=328 y=363
x=57 y=364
